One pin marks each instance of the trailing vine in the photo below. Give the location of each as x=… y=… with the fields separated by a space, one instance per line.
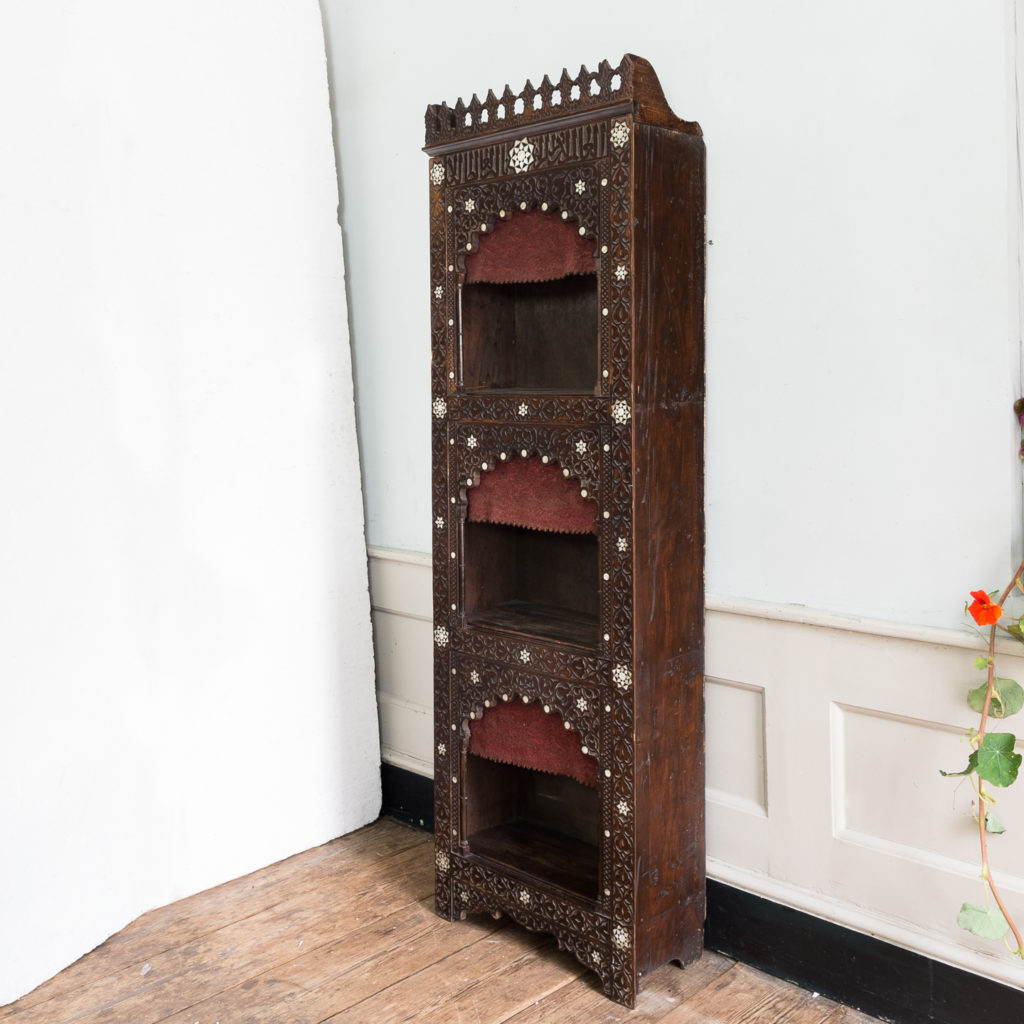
x=993 y=759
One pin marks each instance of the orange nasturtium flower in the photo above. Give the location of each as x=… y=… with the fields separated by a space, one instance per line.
x=983 y=611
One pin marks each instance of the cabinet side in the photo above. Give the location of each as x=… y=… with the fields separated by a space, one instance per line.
x=668 y=538
x=445 y=531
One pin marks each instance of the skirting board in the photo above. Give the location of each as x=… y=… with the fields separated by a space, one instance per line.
x=865 y=973
x=408 y=797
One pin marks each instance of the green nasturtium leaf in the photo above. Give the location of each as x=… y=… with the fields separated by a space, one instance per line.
x=972 y=766
x=1007 y=698
x=996 y=760
x=989 y=922
x=1011 y=696
x=993 y=824
x=981 y=662
x=1017 y=631
x=976 y=699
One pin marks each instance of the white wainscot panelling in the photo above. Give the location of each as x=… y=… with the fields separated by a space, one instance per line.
x=405 y=730
x=400 y=588
x=735 y=746
x=898 y=821
x=861 y=828
x=825 y=736
x=737 y=788
x=889 y=796
x=402 y=646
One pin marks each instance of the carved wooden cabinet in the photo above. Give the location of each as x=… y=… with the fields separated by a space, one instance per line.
x=567 y=377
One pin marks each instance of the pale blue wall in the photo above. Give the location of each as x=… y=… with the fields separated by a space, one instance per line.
x=861 y=318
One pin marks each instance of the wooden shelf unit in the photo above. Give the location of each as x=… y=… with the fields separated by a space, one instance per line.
x=571 y=338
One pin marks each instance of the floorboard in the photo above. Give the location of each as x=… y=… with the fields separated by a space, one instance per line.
x=346 y=934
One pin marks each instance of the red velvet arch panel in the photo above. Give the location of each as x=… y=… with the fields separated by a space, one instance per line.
x=531 y=246
x=532 y=494
x=524 y=735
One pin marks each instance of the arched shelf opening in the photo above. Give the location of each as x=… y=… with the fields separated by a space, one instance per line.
x=531 y=554
x=528 y=317
x=532 y=799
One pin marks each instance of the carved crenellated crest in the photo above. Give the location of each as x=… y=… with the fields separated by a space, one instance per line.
x=631 y=87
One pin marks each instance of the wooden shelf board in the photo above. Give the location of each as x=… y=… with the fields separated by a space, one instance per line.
x=541 y=853
x=540 y=622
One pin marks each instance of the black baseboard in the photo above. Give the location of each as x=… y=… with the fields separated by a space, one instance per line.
x=860 y=971
x=407 y=796
x=868 y=974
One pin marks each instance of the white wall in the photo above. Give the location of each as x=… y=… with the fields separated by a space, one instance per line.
x=862 y=307
x=185 y=665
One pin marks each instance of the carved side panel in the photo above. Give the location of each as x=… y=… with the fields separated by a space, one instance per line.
x=445 y=533
x=617 y=283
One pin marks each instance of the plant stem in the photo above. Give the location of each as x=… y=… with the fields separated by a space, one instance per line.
x=989 y=881
x=982 y=803
x=992 y=652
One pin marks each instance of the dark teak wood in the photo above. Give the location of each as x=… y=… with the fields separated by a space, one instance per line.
x=530 y=336
x=602 y=375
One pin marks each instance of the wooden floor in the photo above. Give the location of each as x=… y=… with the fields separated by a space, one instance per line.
x=346 y=933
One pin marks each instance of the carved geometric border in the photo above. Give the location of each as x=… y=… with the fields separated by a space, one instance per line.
x=592 y=938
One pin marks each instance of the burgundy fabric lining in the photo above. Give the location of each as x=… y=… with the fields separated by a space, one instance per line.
x=531 y=246
x=523 y=735
x=532 y=494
